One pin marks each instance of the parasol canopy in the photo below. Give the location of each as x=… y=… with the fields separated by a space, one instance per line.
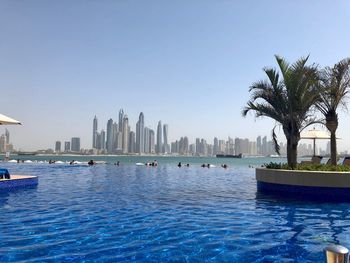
x=4 y=120
x=315 y=134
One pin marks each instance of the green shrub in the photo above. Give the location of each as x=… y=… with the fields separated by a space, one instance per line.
x=310 y=167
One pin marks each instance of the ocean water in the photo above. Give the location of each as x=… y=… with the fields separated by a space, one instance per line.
x=129 y=213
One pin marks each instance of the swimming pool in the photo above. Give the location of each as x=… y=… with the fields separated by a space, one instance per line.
x=165 y=213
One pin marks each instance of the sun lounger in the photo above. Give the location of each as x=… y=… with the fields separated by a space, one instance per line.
x=346 y=160
x=329 y=162
x=4 y=174
x=314 y=160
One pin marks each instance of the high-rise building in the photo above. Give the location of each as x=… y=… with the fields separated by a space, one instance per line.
x=110 y=135
x=216 y=146
x=115 y=137
x=94 y=133
x=165 y=136
x=121 y=118
x=132 y=142
x=5 y=142
x=159 y=138
x=119 y=141
x=58 y=146
x=140 y=134
x=183 y=146
x=66 y=146
x=2 y=143
x=151 y=142
x=230 y=147
x=222 y=147
x=204 y=147
x=258 y=145
x=103 y=140
x=146 y=136
x=198 y=147
x=98 y=141
x=126 y=131
x=7 y=137
x=264 y=146
x=75 y=144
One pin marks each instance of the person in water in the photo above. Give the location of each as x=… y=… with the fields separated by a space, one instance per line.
x=179 y=164
x=72 y=162
x=91 y=162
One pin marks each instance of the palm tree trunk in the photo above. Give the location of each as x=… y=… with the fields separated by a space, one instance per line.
x=333 y=149
x=332 y=125
x=292 y=152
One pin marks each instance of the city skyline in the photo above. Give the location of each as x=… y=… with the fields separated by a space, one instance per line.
x=190 y=63
x=262 y=146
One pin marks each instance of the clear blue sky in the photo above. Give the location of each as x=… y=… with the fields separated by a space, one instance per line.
x=187 y=63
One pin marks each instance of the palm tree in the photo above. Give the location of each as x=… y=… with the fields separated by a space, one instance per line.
x=335 y=84
x=288 y=100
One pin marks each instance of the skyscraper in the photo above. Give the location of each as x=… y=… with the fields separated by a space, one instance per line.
x=7 y=136
x=115 y=136
x=258 y=145
x=94 y=133
x=110 y=135
x=132 y=142
x=147 y=141
x=103 y=140
x=98 y=141
x=75 y=142
x=165 y=136
x=58 y=146
x=159 y=138
x=216 y=146
x=198 y=147
x=121 y=118
x=140 y=135
x=264 y=146
x=151 y=141
x=66 y=146
x=126 y=134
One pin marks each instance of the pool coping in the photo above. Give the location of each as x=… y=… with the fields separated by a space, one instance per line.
x=18 y=181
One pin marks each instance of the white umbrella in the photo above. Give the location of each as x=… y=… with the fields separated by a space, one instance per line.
x=4 y=120
x=315 y=134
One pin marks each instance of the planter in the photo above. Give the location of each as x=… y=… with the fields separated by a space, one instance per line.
x=323 y=184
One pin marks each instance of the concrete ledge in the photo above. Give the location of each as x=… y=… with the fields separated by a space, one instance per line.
x=304 y=178
x=18 y=181
x=304 y=185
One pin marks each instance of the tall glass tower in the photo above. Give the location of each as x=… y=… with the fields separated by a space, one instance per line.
x=126 y=134
x=110 y=135
x=165 y=136
x=94 y=133
x=159 y=138
x=140 y=135
x=121 y=118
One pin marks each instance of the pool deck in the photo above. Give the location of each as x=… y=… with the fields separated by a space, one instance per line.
x=18 y=181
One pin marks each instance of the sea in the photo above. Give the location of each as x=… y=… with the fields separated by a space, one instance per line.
x=138 y=213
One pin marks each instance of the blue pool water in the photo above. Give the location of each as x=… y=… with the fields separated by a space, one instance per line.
x=135 y=213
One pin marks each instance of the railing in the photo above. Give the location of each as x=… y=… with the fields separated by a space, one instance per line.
x=336 y=254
